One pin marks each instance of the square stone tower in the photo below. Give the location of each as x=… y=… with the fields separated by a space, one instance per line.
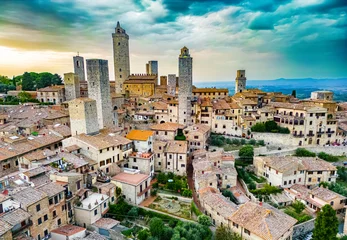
x=240 y=81
x=72 y=86
x=120 y=57
x=83 y=116
x=185 y=69
x=152 y=67
x=171 y=84
x=78 y=63
x=99 y=90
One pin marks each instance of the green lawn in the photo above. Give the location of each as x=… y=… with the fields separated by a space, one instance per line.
x=301 y=217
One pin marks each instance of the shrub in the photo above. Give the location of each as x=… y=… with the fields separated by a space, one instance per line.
x=155 y=185
x=133 y=213
x=328 y=157
x=228 y=141
x=252 y=186
x=261 y=143
x=243 y=141
x=252 y=142
x=235 y=141
x=162 y=178
x=302 y=152
x=195 y=209
x=204 y=220
x=270 y=126
x=298 y=206
x=143 y=234
x=154 y=192
x=258 y=127
x=187 y=193
x=246 y=152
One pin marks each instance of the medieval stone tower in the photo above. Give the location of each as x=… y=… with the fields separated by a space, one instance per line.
x=72 y=86
x=99 y=90
x=83 y=116
x=171 y=84
x=152 y=67
x=240 y=81
x=120 y=57
x=185 y=70
x=78 y=63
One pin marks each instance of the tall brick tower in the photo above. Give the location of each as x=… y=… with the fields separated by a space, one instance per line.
x=99 y=90
x=72 y=86
x=240 y=81
x=78 y=63
x=185 y=70
x=120 y=57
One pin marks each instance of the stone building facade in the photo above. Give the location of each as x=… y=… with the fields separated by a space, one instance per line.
x=120 y=57
x=72 y=86
x=171 y=84
x=240 y=81
x=185 y=68
x=78 y=63
x=83 y=116
x=52 y=94
x=99 y=90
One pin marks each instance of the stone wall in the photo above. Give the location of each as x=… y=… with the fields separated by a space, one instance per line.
x=257 y=151
x=171 y=84
x=278 y=139
x=334 y=150
x=303 y=228
x=72 y=86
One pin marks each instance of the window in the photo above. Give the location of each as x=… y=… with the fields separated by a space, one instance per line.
x=319 y=172
x=39 y=221
x=54 y=214
x=332 y=203
x=168 y=163
x=78 y=183
x=105 y=205
x=95 y=212
x=183 y=165
x=38 y=207
x=318 y=179
x=134 y=160
x=100 y=150
x=309 y=179
x=59 y=222
x=235 y=225
x=45 y=232
x=299 y=180
x=285 y=182
x=247 y=232
x=63 y=208
x=38 y=237
x=45 y=218
x=310 y=122
x=50 y=201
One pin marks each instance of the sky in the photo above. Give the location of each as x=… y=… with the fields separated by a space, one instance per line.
x=270 y=39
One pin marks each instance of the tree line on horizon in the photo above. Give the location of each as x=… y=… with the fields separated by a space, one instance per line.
x=30 y=81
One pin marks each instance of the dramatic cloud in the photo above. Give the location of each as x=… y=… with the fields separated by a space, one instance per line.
x=268 y=38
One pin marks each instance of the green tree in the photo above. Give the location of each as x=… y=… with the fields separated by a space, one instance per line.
x=298 y=206
x=223 y=233
x=24 y=96
x=162 y=178
x=258 y=127
x=204 y=220
x=144 y=234
x=242 y=141
x=252 y=142
x=44 y=80
x=27 y=82
x=5 y=80
x=56 y=79
x=133 y=213
x=326 y=225
x=270 y=126
x=235 y=141
x=156 y=227
x=246 y=152
x=261 y=143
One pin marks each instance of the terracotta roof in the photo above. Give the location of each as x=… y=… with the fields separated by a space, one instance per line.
x=220 y=104
x=325 y=194
x=139 y=135
x=4 y=227
x=72 y=148
x=177 y=147
x=106 y=223
x=202 y=90
x=29 y=196
x=264 y=221
x=93 y=141
x=160 y=105
x=54 y=88
x=15 y=217
x=68 y=230
x=167 y=126
x=132 y=179
x=219 y=203
x=51 y=189
x=199 y=128
x=234 y=105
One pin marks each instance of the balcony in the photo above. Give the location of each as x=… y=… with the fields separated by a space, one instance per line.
x=330 y=132
x=320 y=132
x=143 y=191
x=27 y=225
x=310 y=135
x=298 y=135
